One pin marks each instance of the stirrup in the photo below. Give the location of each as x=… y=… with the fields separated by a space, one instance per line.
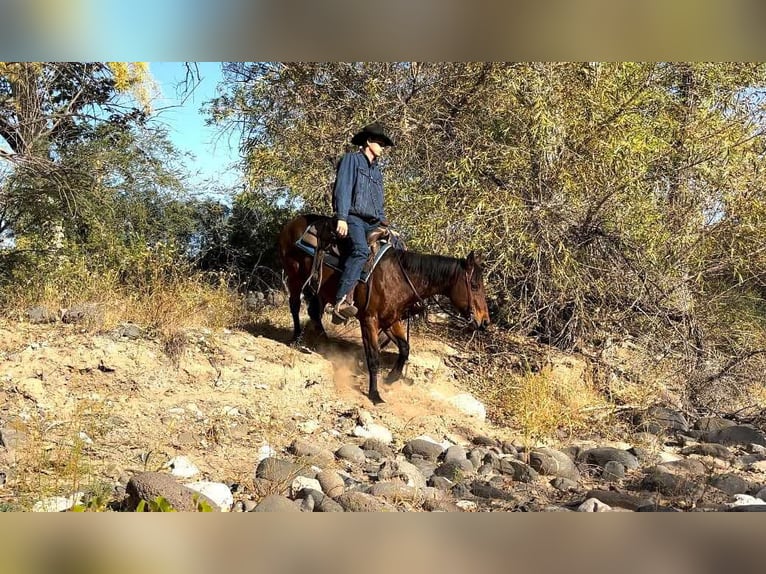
x=343 y=311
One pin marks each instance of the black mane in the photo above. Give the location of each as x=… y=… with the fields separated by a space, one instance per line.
x=434 y=269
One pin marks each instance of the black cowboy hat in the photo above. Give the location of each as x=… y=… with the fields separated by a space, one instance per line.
x=372 y=131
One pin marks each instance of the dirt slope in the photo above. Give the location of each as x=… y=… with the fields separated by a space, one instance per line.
x=81 y=409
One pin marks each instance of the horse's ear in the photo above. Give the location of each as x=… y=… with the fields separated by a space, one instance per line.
x=472 y=259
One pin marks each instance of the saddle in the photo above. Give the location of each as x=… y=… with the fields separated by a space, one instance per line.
x=320 y=241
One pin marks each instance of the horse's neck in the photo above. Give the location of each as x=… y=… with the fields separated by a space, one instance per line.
x=426 y=286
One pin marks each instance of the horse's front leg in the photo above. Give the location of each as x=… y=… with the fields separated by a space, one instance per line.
x=372 y=354
x=399 y=335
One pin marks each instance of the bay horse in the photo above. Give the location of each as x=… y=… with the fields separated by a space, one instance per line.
x=397 y=285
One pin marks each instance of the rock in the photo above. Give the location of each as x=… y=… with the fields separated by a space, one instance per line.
x=551 y=462
x=653 y=507
x=376 y=445
x=267 y=451
x=311 y=454
x=749 y=462
x=328 y=505
x=425 y=467
x=708 y=424
x=685 y=467
x=746 y=500
x=455 y=453
x=661 y=420
x=58 y=503
x=39 y=315
x=331 y=483
x=149 y=486
x=375 y=432
x=181 y=467
x=563 y=484
x=749 y=508
x=300 y=483
x=351 y=453
x=441 y=482
x=355 y=501
x=660 y=479
x=741 y=435
x=440 y=505
x=276 y=503
x=593 y=505
x=454 y=471
x=600 y=456
x=12 y=439
x=467 y=505
x=708 y=449
x=613 y=471
x=729 y=483
x=281 y=471
x=468 y=404
x=404 y=470
x=476 y=456
x=518 y=470
x=308 y=427
x=427 y=449
x=82 y=313
x=218 y=492
x=396 y=492
x=509 y=448
x=617 y=499
x=481 y=440
x=129 y=331
x=486 y=490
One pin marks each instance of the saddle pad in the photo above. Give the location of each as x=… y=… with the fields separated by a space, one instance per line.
x=333 y=261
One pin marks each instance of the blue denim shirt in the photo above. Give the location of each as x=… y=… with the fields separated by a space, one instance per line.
x=358 y=188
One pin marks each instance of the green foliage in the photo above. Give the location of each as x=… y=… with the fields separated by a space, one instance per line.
x=161 y=504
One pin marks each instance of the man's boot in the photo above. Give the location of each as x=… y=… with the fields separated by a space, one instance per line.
x=343 y=311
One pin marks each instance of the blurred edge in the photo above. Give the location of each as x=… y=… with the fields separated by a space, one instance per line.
x=436 y=30
x=191 y=544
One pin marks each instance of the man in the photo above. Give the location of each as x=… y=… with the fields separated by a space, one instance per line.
x=358 y=205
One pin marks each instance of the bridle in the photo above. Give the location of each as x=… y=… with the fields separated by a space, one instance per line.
x=469 y=293
x=469 y=314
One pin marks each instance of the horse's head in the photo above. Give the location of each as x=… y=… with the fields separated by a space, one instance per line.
x=468 y=294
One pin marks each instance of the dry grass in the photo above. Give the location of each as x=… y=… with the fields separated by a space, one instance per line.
x=54 y=458
x=163 y=296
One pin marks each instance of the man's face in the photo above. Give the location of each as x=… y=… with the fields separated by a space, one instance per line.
x=375 y=147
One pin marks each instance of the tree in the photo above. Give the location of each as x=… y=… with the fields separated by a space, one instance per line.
x=45 y=110
x=574 y=178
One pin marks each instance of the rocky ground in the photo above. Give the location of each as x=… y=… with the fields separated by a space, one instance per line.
x=240 y=421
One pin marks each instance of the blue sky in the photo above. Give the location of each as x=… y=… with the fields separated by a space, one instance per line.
x=214 y=154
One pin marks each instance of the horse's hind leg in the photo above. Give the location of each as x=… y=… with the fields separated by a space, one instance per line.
x=315 y=308
x=399 y=334
x=295 y=308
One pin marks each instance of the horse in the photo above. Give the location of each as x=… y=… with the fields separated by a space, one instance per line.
x=399 y=283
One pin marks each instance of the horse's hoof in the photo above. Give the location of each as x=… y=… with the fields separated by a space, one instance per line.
x=377 y=399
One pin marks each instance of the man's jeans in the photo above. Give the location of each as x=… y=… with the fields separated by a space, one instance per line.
x=352 y=269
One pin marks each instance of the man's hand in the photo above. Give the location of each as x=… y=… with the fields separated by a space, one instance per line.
x=342 y=228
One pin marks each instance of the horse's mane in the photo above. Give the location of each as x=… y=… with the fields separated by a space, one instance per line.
x=435 y=269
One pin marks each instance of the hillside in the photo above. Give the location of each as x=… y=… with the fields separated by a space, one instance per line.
x=87 y=412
